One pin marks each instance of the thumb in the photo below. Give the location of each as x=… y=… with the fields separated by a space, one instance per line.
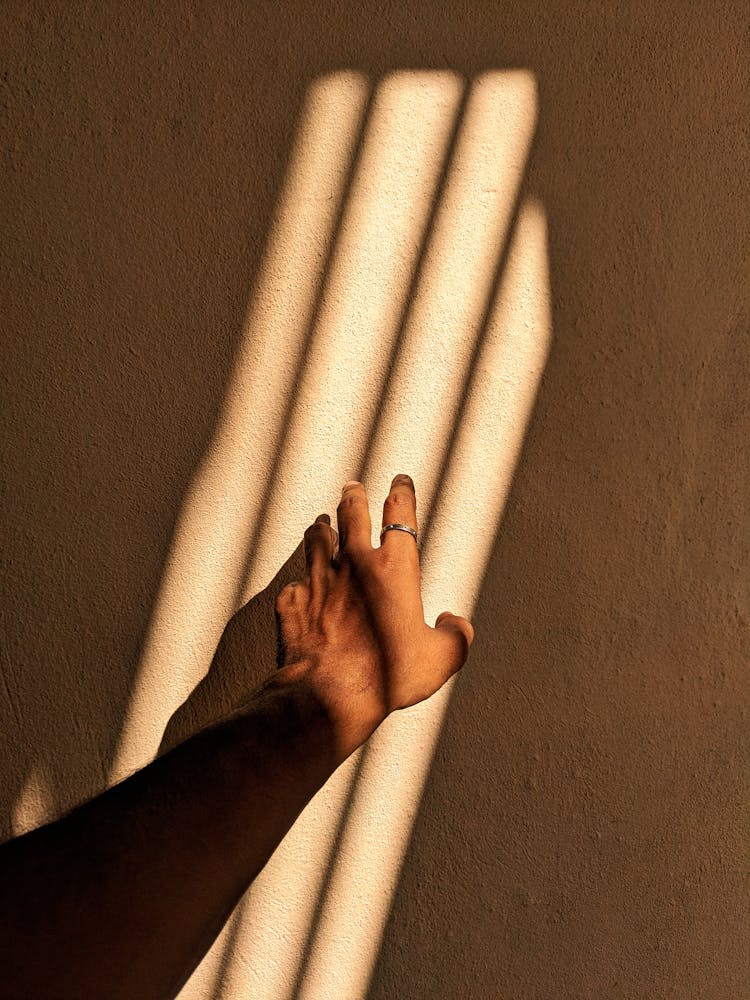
x=455 y=635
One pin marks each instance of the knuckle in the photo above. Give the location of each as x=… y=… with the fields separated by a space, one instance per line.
x=286 y=597
x=349 y=503
x=400 y=498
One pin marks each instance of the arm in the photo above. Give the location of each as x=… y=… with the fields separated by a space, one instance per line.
x=125 y=895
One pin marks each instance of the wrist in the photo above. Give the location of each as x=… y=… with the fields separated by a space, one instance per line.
x=349 y=717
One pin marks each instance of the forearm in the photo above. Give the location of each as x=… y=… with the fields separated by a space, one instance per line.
x=124 y=896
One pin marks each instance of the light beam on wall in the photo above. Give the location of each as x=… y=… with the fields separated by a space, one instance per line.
x=419 y=428
x=333 y=418
x=378 y=340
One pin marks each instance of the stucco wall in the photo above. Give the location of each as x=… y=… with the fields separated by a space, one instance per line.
x=583 y=830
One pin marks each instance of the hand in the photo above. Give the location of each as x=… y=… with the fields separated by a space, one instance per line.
x=354 y=626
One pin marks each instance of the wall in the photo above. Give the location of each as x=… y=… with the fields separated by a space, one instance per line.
x=583 y=830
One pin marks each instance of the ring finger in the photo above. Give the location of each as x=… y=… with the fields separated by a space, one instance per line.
x=400 y=513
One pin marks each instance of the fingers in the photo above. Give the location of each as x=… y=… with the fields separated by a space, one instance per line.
x=400 y=507
x=353 y=515
x=454 y=635
x=320 y=542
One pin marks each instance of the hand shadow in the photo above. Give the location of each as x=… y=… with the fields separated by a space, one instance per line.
x=247 y=652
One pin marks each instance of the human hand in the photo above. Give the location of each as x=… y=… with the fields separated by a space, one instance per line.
x=354 y=627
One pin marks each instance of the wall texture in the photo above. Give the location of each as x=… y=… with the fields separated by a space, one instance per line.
x=584 y=827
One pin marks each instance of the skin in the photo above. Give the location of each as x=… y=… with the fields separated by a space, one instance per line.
x=124 y=896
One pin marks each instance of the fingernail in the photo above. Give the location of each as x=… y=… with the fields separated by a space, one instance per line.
x=352 y=482
x=323 y=517
x=402 y=480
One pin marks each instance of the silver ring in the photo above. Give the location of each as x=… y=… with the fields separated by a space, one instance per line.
x=399 y=527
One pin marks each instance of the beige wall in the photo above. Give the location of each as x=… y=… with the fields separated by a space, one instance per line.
x=583 y=829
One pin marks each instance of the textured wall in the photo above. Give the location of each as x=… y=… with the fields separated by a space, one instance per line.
x=583 y=831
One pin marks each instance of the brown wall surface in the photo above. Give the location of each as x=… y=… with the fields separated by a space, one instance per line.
x=584 y=828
